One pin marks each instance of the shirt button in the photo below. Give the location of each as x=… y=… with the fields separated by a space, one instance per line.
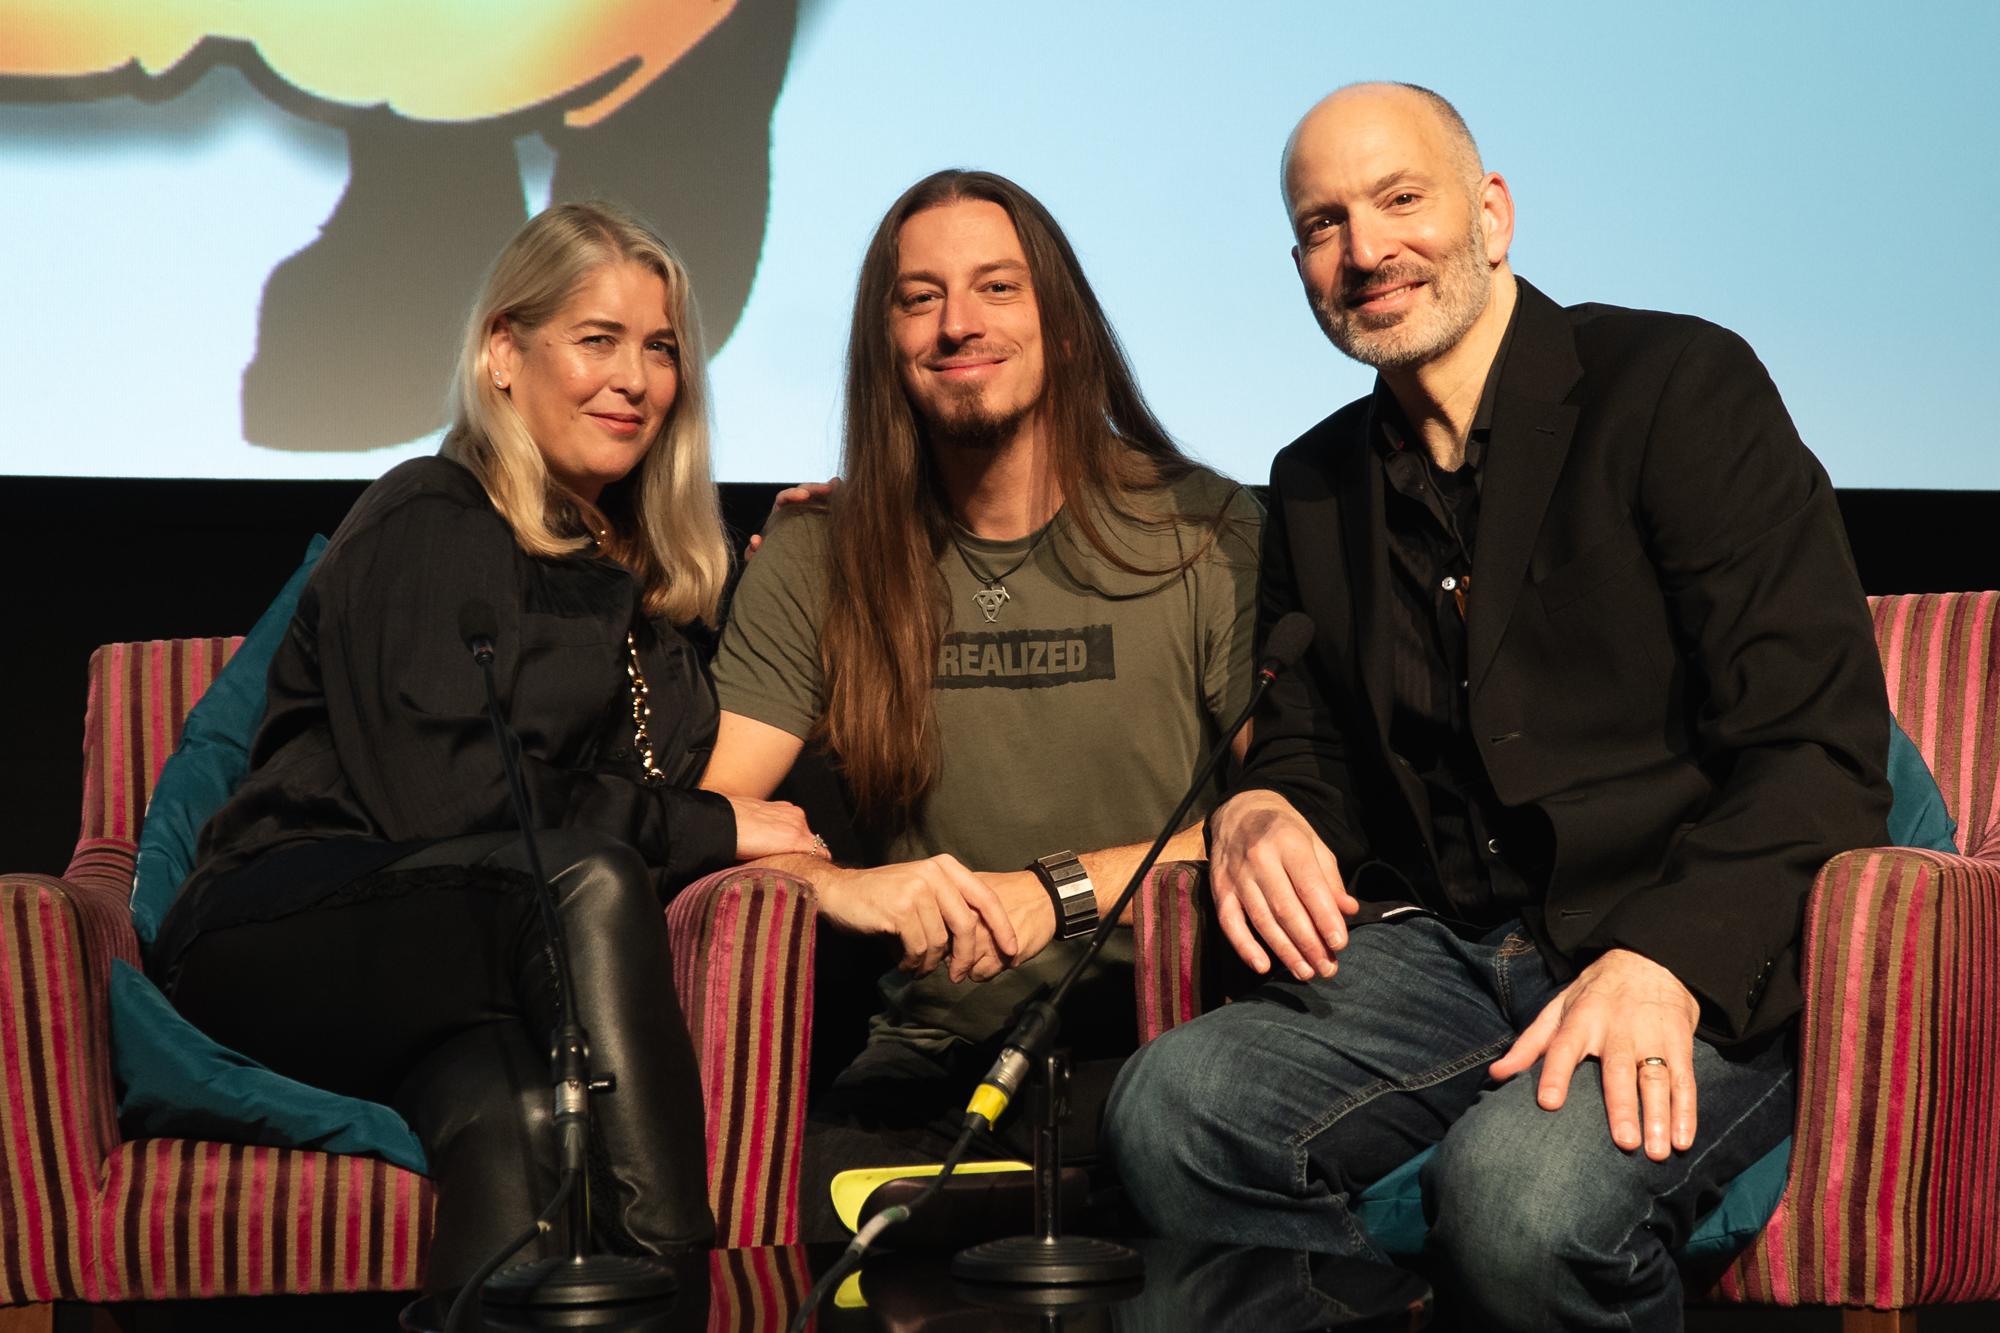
x=1449 y=583
x=1493 y=846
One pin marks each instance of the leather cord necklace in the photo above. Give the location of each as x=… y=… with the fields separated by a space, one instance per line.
x=991 y=596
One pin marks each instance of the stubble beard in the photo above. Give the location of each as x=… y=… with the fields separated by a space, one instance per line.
x=1460 y=285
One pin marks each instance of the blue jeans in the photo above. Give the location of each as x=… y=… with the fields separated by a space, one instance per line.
x=1256 y=1123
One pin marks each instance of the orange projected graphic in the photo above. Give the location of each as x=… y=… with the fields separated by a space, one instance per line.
x=448 y=60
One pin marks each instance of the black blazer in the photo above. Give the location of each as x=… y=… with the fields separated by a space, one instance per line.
x=1672 y=671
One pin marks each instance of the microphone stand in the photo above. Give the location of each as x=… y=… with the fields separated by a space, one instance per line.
x=560 y=1290
x=1004 y=1270
x=1049 y=1258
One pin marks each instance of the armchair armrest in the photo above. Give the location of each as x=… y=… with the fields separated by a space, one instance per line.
x=59 y=1121
x=1168 y=919
x=743 y=946
x=1894 y=1178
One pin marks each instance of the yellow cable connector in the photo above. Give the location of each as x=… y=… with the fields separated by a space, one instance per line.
x=988 y=1103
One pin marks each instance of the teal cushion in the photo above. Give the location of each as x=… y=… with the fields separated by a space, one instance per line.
x=1392 y=1209
x=1917 y=817
x=212 y=758
x=176 y=1083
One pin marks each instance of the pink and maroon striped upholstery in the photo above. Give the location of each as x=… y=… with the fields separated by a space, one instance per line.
x=755 y=1289
x=1894 y=1194
x=743 y=957
x=84 y=1216
x=1166 y=946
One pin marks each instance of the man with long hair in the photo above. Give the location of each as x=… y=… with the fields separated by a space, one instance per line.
x=1017 y=627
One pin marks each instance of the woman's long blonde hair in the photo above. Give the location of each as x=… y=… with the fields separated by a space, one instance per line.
x=664 y=519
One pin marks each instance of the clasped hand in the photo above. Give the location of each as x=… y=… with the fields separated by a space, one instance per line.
x=771 y=828
x=975 y=923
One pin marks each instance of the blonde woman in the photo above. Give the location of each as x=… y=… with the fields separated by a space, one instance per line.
x=359 y=918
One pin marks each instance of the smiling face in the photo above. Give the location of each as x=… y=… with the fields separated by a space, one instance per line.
x=967 y=330
x=1400 y=237
x=596 y=383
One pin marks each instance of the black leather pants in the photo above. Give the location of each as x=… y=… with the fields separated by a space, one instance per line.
x=428 y=989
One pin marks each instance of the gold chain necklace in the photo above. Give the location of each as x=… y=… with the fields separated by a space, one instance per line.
x=642 y=712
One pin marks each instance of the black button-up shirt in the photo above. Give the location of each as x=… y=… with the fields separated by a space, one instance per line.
x=1432 y=522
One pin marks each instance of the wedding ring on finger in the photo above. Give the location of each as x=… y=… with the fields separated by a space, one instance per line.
x=1653 y=1062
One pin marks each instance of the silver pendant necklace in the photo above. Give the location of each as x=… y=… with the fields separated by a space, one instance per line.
x=994 y=594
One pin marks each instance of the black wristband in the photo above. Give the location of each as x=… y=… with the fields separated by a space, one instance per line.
x=1071 y=893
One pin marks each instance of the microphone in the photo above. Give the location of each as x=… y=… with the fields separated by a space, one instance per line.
x=1288 y=641
x=478 y=627
x=1034 y=1032
x=552 y=1292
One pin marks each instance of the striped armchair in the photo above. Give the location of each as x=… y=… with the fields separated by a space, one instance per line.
x=84 y=1214
x=88 y=1216
x=1893 y=1199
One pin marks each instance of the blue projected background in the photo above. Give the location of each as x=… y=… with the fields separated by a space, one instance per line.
x=239 y=264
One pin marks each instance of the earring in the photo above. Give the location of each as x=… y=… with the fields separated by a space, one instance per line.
x=498 y=382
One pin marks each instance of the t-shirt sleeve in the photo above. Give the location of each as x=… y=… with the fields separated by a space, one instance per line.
x=1227 y=583
x=768 y=667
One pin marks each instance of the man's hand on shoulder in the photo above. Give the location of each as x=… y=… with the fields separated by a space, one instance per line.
x=936 y=907
x=1274 y=880
x=1626 y=1010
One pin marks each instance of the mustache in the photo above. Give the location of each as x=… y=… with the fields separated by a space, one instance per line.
x=971 y=352
x=1362 y=283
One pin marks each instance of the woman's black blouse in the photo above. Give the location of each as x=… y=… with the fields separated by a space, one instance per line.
x=375 y=726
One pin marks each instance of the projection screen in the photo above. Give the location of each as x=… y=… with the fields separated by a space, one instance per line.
x=239 y=239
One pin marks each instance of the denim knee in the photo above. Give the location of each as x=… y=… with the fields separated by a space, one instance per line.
x=1159 y=1128
x=1534 y=1220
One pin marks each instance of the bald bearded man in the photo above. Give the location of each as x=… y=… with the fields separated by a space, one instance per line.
x=1530 y=832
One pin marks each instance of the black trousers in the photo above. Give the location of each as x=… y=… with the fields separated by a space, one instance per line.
x=426 y=987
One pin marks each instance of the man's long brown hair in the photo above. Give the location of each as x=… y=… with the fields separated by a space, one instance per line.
x=886 y=609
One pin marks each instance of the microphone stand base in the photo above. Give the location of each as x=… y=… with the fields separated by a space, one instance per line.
x=594 y=1281
x=1047 y=1261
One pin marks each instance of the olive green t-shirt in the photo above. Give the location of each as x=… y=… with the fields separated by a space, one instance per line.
x=1074 y=718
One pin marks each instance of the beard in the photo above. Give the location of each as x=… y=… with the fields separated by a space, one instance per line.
x=960 y=416
x=1460 y=285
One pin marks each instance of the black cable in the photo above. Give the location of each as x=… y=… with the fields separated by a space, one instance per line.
x=543 y=1222
x=851 y=1257
x=517 y=790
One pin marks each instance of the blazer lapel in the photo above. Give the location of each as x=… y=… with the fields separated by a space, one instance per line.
x=1530 y=438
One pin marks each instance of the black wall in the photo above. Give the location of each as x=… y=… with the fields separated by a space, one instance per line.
x=84 y=562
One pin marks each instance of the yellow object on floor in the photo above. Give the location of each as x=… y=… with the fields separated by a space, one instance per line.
x=851 y=1188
